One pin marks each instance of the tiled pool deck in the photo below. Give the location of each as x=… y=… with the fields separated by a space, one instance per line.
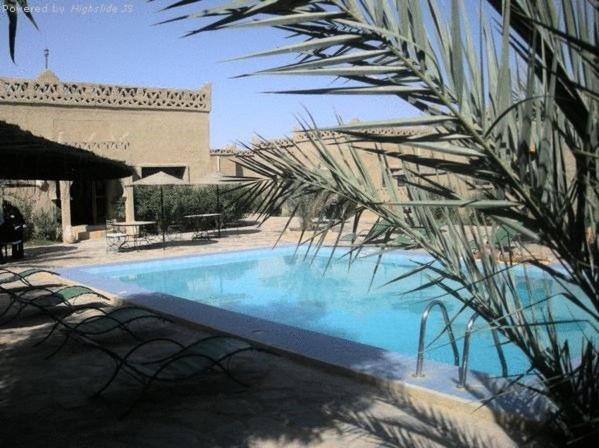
x=290 y=403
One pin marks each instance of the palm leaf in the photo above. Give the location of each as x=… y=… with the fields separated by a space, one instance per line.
x=514 y=115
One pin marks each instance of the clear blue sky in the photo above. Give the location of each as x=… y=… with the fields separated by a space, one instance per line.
x=124 y=48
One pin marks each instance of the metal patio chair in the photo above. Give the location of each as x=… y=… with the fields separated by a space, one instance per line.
x=174 y=232
x=114 y=238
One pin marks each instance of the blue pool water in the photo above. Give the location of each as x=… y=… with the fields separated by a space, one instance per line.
x=282 y=286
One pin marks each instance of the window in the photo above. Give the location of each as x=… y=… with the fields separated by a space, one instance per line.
x=238 y=170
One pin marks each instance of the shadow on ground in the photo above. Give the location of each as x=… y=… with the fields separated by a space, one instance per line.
x=234 y=232
x=45 y=403
x=46 y=254
x=169 y=244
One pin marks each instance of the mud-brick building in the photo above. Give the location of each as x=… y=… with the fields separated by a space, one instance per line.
x=150 y=129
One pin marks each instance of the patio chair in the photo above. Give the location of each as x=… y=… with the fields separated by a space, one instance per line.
x=114 y=238
x=183 y=362
x=174 y=232
x=100 y=324
x=8 y=276
x=45 y=301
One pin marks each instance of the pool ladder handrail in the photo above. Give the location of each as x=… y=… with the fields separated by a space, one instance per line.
x=463 y=370
x=423 y=319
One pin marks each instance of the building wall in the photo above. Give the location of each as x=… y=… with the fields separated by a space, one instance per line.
x=139 y=138
x=225 y=163
x=143 y=127
x=339 y=149
x=153 y=132
x=37 y=193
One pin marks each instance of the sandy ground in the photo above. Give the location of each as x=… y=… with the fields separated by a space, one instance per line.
x=46 y=402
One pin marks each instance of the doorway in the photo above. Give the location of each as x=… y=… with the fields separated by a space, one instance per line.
x=88 y=202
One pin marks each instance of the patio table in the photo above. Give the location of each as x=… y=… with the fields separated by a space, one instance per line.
x=197 y=218
x=132 y=230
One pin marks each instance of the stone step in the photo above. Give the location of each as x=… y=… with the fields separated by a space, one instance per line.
x=89 y=232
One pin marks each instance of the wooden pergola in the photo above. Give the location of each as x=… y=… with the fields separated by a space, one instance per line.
x=26 y=156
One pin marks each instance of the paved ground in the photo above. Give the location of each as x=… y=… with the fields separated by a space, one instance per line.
x=287 y=404
x=94 y=251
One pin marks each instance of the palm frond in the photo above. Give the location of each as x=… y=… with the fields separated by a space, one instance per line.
x=512 y=108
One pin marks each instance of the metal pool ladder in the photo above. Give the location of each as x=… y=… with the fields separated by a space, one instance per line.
x=463 y=369
x=423 y=319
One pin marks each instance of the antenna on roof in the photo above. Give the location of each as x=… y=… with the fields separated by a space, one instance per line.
x=46 y=55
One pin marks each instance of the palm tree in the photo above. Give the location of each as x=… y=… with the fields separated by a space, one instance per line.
x=12 y=8
x=512 y=107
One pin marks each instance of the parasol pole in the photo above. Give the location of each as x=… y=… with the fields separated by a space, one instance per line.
x=162 y=216
x=218 y=208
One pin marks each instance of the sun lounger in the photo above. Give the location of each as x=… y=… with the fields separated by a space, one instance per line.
x=374 y=234
x=378 y=230
x=403 y=242
x=504 y=239
x=101 y=323
x=8 y=276
x=182 y=362
x=46 y=299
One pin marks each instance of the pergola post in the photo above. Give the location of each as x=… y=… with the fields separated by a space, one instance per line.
x=129 y=199
x=65 y=211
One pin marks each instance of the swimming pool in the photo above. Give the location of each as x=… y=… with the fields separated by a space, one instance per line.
x=282 y=286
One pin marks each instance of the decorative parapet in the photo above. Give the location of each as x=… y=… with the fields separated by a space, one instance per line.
x=228 y=150
x=47 y=89
x=300 y=136
x=101 y=146
x=274 y=143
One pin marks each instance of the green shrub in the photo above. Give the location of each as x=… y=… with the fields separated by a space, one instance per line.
x=184 y=200
x=45 y=225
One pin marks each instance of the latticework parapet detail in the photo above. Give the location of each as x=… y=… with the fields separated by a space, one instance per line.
x=99 y=95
